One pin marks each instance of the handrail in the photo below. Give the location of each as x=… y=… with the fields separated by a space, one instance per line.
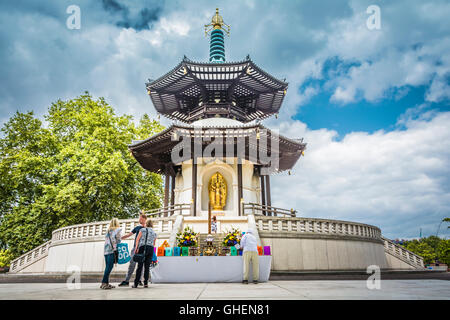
x=403 y=254
x=309 y=226
x=97 y=229
x=260 y=209
x=30 y=257
x=169 y=210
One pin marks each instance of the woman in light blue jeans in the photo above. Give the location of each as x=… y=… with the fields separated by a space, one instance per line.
x=112 y=238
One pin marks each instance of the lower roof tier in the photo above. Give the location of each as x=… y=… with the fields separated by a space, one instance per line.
x=255 y=143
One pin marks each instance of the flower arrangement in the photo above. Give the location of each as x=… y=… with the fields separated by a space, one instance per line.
x=232 y=237
x=187 y=238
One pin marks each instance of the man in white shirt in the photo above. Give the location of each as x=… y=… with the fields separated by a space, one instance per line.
x=250 y=254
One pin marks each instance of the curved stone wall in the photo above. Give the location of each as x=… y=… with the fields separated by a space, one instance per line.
x=308 y=244
x=81 y=245
x=297 y=244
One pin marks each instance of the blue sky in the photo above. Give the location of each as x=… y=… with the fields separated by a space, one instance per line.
x=362 y=115
x=373 y=105
x=365 y=116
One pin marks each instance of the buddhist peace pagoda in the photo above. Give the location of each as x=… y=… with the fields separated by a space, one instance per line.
x=217 y=159
x=219 y=105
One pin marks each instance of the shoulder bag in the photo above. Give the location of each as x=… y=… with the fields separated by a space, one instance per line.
x=116 y=252
x=140 y=257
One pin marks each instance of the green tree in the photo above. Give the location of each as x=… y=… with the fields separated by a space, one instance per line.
x=5 y=258
x=77 y=169
x=446 y=220
x=422 y=249
x=443 y=251
x=430 y=249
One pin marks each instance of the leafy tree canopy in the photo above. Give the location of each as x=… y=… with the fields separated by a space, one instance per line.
x=446 y=220
x=430 y=249
x=76 y=169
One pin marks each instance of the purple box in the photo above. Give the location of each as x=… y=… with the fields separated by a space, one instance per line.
x=267 y=250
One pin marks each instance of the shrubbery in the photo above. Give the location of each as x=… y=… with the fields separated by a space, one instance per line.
x=5 y=258
x=430 y=249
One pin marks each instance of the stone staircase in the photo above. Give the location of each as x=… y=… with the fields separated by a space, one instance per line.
x=403 y=254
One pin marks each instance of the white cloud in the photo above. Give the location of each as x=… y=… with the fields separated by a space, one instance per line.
x=409 y=50
x=398 y=180
x=439 y=90
x=288 y=39
x=346 y=95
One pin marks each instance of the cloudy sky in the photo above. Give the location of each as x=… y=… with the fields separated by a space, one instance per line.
x=373 y=105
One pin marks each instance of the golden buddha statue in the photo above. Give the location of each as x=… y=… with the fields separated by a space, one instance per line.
x=217 y=191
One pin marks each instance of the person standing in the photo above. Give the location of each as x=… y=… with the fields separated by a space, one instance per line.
x=214 y=225
x=112 y=238
x=145 y=243
x=132 y=265
x=250 y=253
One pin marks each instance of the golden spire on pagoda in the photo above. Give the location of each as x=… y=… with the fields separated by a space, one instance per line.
x=217 y=23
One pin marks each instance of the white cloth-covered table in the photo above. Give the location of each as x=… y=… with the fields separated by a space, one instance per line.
x=206 y=269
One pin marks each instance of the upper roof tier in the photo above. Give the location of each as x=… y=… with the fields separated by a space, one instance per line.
x=238 y=90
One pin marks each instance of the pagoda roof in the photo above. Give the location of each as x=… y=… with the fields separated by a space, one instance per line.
x=154 y=153
x=237 y=90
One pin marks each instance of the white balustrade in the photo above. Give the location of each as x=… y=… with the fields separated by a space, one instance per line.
x=331 y=227
x=403 y=254
x=29 y=257
x=315 y=226
x=97 y=229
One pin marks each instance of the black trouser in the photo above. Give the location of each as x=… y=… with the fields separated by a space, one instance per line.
x=146 y=263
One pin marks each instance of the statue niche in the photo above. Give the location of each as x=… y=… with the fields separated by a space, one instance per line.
x=217 y=190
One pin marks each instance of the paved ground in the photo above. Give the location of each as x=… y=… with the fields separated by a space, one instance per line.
x=285 y=290
x=274 y=276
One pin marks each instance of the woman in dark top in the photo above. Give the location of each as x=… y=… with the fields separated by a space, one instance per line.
x=145 y=241
x=132 y=265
